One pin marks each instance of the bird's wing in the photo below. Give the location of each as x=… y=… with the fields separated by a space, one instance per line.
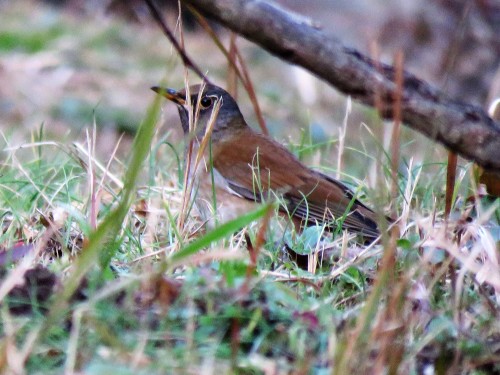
x=255 y=169
x=258 y=166
x=323 y=199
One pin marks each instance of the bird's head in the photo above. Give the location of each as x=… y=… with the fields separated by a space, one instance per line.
x=211 y=105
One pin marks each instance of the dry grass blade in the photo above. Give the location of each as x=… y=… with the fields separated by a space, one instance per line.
x=81 y=154
x=207 y=136
x=232 y=74
x=451 y=175
x=341 y=144
x=155 y=12
x=396 y=130
x=91 y=180
x=249 y=87
x=242 y=72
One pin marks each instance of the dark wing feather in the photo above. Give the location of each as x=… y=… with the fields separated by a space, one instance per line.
x=322 y=199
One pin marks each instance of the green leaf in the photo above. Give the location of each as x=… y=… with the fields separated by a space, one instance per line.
x=219 y=233
x=404 y=244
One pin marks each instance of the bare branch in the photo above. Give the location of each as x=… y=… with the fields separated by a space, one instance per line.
x=463 y=128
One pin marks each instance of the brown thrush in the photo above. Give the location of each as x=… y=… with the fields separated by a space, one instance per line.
x=249 y=167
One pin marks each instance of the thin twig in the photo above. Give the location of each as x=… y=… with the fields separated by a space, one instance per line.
x=241 y=71
x=182 y=53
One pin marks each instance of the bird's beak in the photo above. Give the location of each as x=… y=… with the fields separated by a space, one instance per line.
x=170 y=94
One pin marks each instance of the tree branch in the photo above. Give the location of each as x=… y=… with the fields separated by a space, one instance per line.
x=463 y=128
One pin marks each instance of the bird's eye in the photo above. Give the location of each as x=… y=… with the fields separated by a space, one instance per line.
x=206 y=102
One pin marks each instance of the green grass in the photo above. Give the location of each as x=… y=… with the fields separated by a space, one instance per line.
x=20 y=40
x=122 y=288
x=117 y=308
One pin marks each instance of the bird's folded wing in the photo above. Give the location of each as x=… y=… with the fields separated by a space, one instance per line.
x=321 y=200
x=255 y=173
x=259 y=166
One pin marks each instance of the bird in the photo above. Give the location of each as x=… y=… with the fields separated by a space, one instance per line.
x=247 y=167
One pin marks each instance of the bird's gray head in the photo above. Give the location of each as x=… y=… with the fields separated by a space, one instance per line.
x=204 y=100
